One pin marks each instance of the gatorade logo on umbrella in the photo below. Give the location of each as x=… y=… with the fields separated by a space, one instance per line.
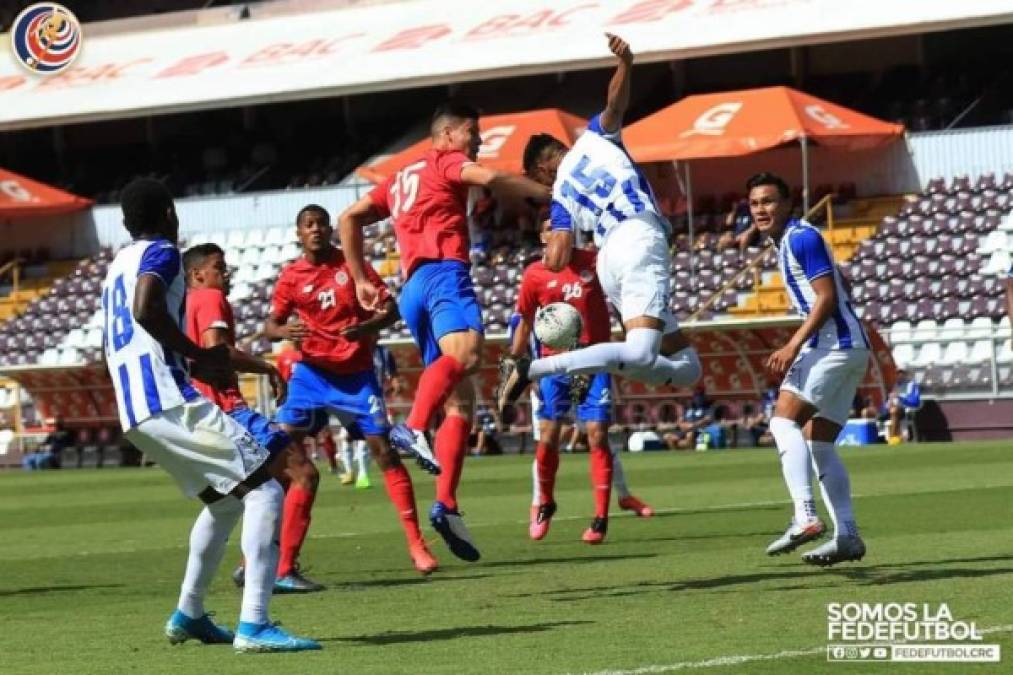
x=493 y=140
x=46 y=38
x=827 y=119
x=715 y=120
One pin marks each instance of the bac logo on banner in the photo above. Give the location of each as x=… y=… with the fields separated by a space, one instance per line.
x=715 y=120
x=46 y=38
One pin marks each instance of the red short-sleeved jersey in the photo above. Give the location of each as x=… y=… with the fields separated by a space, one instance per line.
x=323 y=297
x=429 y=206
x=576 y=284
x=208 y=308
x=286 y=361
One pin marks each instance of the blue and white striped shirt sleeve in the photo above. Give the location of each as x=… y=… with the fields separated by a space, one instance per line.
x=560 y=217
x=811 y=253
x=161 y=258
x=595 y=127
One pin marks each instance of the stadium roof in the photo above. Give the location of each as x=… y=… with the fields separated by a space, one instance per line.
x=430 y=42
x=735 y=123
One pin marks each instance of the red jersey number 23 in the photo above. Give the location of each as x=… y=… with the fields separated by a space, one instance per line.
x=405 y=188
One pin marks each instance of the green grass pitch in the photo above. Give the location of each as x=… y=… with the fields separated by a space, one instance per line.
x=91 y=562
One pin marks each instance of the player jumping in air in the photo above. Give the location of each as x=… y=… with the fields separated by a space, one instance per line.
x=209 y=454
x=336 y=337
x=576 y=284
x=822 y=365
x=597 y=187
x=427 y=202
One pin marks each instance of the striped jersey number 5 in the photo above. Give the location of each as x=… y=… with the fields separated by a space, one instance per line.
x=121 y=326
x=405 y=188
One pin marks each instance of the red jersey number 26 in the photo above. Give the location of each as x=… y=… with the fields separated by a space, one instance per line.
x=405 y=188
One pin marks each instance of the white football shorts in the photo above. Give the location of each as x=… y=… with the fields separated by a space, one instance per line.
x=200 y=446
x=827 y=379
x=634 y=265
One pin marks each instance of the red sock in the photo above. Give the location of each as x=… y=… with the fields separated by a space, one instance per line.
x=601 y=480
x=437 y=381
x=295 y=522
x=451 y=447
x=402 y=495
x=547 y=461
x=330 y=449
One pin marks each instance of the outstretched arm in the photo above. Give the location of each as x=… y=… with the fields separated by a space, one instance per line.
x=619 y=87
x=504 y=182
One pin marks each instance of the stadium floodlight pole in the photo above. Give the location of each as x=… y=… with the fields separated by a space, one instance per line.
x=804 y=143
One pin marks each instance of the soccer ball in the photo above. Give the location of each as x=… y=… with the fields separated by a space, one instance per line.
x=558 y=326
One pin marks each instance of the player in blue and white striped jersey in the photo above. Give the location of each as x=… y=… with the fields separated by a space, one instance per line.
x=596 y=186
x=209 y=454
x=822 y=364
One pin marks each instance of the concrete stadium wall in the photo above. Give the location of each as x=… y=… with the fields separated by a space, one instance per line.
x=966 y=420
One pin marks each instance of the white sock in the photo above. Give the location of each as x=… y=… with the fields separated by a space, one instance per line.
x=835 y=486
x=261 y=528
x=638 y=352
x=681 y=369
x=345 y=453
x=618 y=475
x=361 y=458
x=794 y=452
x=536 y=490
x=208 y=537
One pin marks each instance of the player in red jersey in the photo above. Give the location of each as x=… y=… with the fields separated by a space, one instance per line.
x=576 y=284
x=335 y=374
x=427 y=201
x=209 y=321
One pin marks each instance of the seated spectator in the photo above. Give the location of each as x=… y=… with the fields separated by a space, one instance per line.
x=714 y=436
x=739 y=230
x=757 y=423
x=483 y=432
x=697 y=414
x=863 y=407
x=904 y=402
x=48 y=454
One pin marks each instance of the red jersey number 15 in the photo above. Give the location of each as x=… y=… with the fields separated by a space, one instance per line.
x=405 y=188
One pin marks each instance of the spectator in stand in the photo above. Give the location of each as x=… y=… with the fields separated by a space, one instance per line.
x=49 y=452
x=697 y=415
x=483 y=433
x=739 y=230
x=757 y=422
x=905 y=400
x=714 y=436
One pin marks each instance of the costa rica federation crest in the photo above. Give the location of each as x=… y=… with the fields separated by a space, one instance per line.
x=46 y=38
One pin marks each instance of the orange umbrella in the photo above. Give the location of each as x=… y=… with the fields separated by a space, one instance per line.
x=503 y=141
x=738 y=123
x=22 y=197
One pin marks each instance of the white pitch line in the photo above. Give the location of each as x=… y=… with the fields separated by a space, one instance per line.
x=747 y=658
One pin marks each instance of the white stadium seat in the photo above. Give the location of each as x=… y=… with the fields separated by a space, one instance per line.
x=75 y=338
x=251 y=257
x=953 y=329
x=1004 y=352
x=928 y=354
x=925 y=330
x=903 y=355
x=981 y=328
x=50 y=357
x=69 y=357
x=236 y=239
x=93 y=339
x=277 y=235
x=998 y=263
x=289 y=251
x=981 y=352
x=240 y=291
x=900 y=332
x=956 y=352
x=995 y=241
